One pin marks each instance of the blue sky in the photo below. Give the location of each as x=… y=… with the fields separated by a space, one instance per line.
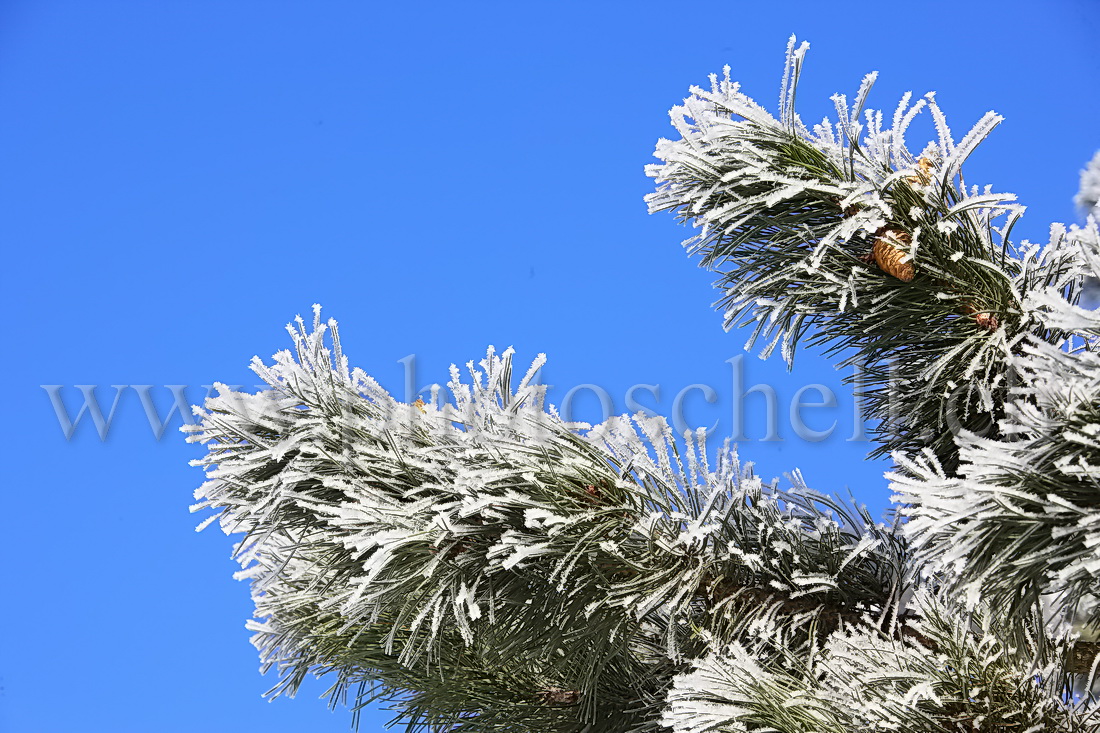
x=180 y=179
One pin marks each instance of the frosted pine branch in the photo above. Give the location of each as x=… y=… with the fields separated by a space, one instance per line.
x=537 y=562
x=1018 y=525
x=959 y=677
x=486 y=566
x=839 y=234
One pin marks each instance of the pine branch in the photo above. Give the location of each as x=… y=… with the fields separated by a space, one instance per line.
x=831 y=617
x=1017 y=525
x=978 y=367
x=841 y=236
x=487 y=567
x=954 y=672
x=391 y=543
x=359 y=509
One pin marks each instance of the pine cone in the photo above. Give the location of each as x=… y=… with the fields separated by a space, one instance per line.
x=890 y=250
x=557 y=697
x=924 y=173
x=986 y=320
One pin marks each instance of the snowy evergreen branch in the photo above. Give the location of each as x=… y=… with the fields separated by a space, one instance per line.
x=486 y=545
x=961 y=677
x=980 y=367
x=838 y=234
x=1018 y=525
x=485 y=566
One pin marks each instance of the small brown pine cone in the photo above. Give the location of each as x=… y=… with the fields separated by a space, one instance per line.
x=557 y=697
x=889 y=251
x=986 y=320
x=419 y=404
x=924 y=173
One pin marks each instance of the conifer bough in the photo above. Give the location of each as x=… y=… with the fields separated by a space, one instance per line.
x=483 y=565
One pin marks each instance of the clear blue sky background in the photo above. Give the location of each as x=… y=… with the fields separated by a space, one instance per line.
x=178 y=180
